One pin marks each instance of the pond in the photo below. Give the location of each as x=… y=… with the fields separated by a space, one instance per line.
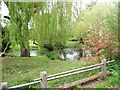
x=70 y=54
x=73 y=54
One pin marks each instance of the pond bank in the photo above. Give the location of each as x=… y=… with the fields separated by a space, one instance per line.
x=70 y=54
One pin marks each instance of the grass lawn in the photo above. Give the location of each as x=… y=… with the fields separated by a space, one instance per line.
x=20 y=70
x=72 y=44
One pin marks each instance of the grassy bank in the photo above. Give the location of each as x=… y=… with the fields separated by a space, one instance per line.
x=17 y=70
x=72 y=44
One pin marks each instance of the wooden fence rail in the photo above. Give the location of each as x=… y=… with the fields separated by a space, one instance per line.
x=44 y=78
x=70 y=71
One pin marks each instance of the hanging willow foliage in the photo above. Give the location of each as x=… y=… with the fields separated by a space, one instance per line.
x=21 y=14
x=51 y=26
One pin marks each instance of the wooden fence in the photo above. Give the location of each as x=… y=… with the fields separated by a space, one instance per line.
x=44 y=78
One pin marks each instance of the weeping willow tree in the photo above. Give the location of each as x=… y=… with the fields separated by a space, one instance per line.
x=51 y=26
x=21 y=14
x=64 y=22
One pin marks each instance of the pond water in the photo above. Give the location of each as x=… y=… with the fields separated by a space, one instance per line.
x=71 y=54
x=32 y=53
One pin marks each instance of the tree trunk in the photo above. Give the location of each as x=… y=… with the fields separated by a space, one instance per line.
x=25 y=52
x=81 y=53
x=81 y=41
x=5 y=40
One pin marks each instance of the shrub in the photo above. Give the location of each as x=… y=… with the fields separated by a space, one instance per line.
x=52 y=55
x=43 y=51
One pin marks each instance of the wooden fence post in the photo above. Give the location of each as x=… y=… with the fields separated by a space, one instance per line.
x=104 y=69
x=4 y=86
x=43 y=76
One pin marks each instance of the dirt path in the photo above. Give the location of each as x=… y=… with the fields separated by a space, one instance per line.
x=92 y=84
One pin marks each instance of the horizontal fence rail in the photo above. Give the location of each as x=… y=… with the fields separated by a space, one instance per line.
x=73 y=73
x=35 y=82
x=110 y=61
x=23 y=85
x=43 y=80
x=74 y=70
x=70 y=71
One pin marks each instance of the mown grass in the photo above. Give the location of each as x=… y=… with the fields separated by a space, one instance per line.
x=20 y=70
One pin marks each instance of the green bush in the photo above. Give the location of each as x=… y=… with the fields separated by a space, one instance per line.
x=52 y=55
x=113 y=81
x=113 y=68
x=43 y=50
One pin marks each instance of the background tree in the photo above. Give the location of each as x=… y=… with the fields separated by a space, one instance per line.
x=101 y=33
x=105 y=46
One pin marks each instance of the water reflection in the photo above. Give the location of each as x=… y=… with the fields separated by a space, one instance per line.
x=32 y=53
x=70 y=54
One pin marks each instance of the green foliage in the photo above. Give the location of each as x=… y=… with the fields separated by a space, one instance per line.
x=43 y=50
x=111 y=18
x=19 y=20
x=101 y=20
x=111 y=83
x=78 y=86
x=54 y=23
x=52 y=55
x=51 y=28
x=114 y=68
x=103 y=17
x=21 y=14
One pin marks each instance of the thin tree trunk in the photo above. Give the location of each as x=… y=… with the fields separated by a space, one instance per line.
x=25 y=52
x=81 y=54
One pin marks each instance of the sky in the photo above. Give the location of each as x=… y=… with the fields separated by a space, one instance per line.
x=3 y=12
x=4 y=9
